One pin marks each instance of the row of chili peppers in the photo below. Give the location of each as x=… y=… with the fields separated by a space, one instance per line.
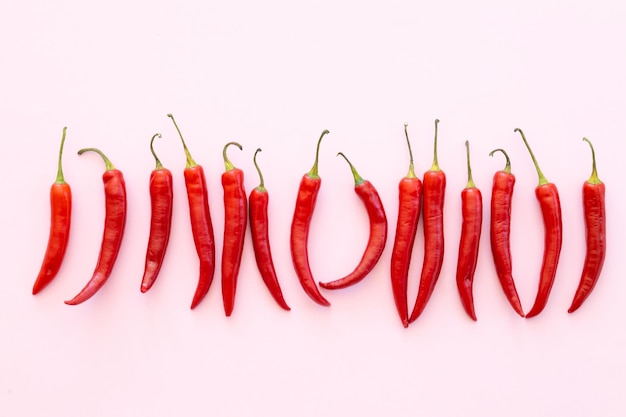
x=416 y=197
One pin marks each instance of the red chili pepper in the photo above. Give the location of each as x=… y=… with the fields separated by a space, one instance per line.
x=258 y=201
x=60 y=219
x=305 y=205
x=201 y=225
x=410 y=196
x=595 y=231
x=235 y=221
x=114 y=223
x=434 y=193
x=378 y=232
x=548 y=197
x=500 y=231
x=472 y=212
x=161 y=198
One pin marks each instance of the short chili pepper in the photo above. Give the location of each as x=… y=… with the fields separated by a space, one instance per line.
x=377 y=237
x=201 y=224
x=259 y=228
x=434 y=195
x=410 y=199
x=548 y=197
x=595 y=233
x=235 y=223
x=114 y=224
x=472 y=214
x=305 y=206
x=500 y=230
x=161 y=198
x=60 y=220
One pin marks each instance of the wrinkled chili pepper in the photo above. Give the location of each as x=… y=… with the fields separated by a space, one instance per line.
x=114 y=224
x=60 y=220
x=305 y=205
x=472 y=214
x=434 y=194
x=500 y=231
x=161 y=198
x=548 y=197
x=201 y=225
x=259 y=228
x=595 y=233
x=235 y=221
x=410 y=198
x=378 y=232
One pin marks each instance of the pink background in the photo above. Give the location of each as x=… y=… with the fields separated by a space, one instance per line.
x=274 y=74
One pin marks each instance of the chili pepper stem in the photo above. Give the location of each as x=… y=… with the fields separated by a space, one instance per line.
x=313 y=173
x=507 y=167
x=470 y=180
x=411 y=173
x=190 y=162
x=357 y=178
x=60 y=178
x=261 y=186
x=156 y=158
x=593 y=179
x=108 y=165
x=435 y=166
x=227 y=163
x=542 y=178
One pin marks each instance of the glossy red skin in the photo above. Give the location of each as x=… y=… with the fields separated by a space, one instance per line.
x=201 y=228
x=60 y=220
x=376 y=241
x=548 y=197
x=235 y=223
x=500 y=232
x=259 y=228
x=434 y=195
x=305 y=206
x=161 y=199
x=595 y=232
x=410 y=198
x=114 y=224
x=472 y=213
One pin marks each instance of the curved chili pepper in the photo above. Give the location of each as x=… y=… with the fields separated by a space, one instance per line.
x=500 y=231
x=201 y=225
x=472 y=212
x=548 y=197
x=114 y=224
x=161 y=198
x=235 y=221
x=378 y=232
x=60 y=220
x=410 y=198
x=595 y=232
x=434 y=193
x=305 y=205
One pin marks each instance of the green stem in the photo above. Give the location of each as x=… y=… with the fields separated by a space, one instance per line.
x=60 y=178
x=470 y=180
x=229 y=165
x=156 y=158
x=542 y=179
x=357 y=178
x=190 y=162
x=593 y=179
x=261 y=186
x=507 y=167
x=435 y=166
x=411 y=173
x=108 y=165
x=313 y=172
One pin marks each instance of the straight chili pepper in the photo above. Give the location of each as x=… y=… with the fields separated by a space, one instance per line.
x=235 y=221
x=500 y=231
x=114 y=224
x=548 y=197
x=60 y=220
x=201 y=225
x=434 y=193
x=378 y=232
x=595 y=232
x=410 y=198
x=305 y=205
x=161 y=198
x=259 y=227
x=472 y=213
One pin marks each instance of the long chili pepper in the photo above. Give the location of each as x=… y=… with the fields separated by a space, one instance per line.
x=161 y=198
x=500 y=231
x=114 y=224
x=548 y=197
x=201 y=225
x=235 y=221
x=378 y=232
x=595 y=232
x=259 y=227
x=305 y=205
x=434 y=193
x=60 y=219
x=472 y=212
x=410 y=198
